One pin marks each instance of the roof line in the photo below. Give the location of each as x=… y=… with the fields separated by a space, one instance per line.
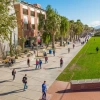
x=26 y=3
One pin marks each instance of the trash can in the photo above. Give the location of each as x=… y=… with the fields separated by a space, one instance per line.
x=50 y=51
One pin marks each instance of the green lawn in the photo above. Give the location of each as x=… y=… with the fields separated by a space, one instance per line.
x=85 y=65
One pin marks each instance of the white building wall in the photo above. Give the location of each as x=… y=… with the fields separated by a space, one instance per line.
x=32 y=20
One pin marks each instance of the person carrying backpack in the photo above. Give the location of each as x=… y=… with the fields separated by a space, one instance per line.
x=61 y=62
x=24 y=80
x=40 y=63
x=13 y=73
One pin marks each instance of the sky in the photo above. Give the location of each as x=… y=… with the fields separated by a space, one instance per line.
x=88 y=11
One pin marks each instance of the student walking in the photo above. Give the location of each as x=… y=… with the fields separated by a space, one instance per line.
x=37 y=64
x=68 y=50
x=25 y=82
x=46 y=59
x=40 y=63
x=73 y=46
x=44 y=89
x=61 y=62
x=28 y=62
x=13 y=73
x=97 y=49
x=9 y=62
x=54 y=52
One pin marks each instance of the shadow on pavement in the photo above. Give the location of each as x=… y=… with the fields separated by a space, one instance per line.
x=6 y=81
x=18 y=67
x=11 y=92
x=51 y=68
x=27 y=70
x=70 y=91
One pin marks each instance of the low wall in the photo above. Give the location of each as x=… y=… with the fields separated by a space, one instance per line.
x=85 y=84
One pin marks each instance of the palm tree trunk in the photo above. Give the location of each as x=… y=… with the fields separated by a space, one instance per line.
x=70 y=36
x=61 y=41
x=53 y=41
x=11 y=49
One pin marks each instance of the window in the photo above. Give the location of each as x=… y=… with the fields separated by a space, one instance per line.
x=33 y=26
x=32 y=13
x=25 y=11
x=25 y=26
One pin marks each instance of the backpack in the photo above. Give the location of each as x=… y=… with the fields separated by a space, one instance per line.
x=61 y=61
x=24 y=80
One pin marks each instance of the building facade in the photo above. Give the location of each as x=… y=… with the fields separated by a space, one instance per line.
x=28 y=19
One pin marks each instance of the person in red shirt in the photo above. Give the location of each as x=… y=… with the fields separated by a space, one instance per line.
x=37 y=64
x=61 y=62
x=46 y=59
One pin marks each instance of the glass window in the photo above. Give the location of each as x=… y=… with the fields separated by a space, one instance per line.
x=25 y=11
x=32 y=13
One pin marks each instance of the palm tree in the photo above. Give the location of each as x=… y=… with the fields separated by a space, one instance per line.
x=63 y=28
x=52 y=24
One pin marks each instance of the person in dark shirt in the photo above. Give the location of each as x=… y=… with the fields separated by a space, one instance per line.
x=25 y=82
x=54 y=52
x=13 y=73
x=97 y=49
x=28 y=62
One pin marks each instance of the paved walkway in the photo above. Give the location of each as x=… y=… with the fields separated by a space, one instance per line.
x=13 y=90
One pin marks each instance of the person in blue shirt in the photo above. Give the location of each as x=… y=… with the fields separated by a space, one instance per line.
x=40 y=63
x=44 y=89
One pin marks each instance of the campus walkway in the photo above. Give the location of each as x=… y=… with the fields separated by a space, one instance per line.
x=13 y=90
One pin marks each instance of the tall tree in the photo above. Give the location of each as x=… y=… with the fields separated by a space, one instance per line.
x=71 y=29
x=63 y=28
x=52 y=24
x=78 y=28
x=7 y=21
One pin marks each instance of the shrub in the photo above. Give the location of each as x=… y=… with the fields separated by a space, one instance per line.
x=18 y=49
x=26 y=50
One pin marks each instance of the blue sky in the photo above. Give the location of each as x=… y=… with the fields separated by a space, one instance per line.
x=88 y=11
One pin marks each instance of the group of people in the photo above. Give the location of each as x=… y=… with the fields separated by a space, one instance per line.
x=38 y=62
x=24 y=80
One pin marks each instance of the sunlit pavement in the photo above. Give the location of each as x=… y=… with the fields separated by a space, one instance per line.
x=13 y=90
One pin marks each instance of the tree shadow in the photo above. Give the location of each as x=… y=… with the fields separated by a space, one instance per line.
x=64 y=91
x=6 y=81
x=52 y=68
x=18 y=67
x=71 y=91
x=27 y=70
x=11 y=92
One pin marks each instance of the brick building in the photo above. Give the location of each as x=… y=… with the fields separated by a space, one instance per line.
x=28 y=20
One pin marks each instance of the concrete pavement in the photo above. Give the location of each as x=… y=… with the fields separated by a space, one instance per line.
x=13 y=90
